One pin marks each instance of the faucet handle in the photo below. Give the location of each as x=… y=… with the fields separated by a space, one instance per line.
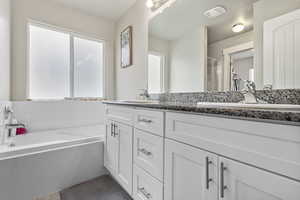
x=250 y=86
x=145 y=93
x=268 y=87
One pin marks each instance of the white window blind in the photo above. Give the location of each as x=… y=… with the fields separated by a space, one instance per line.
x=49 y=64
x=62 y=65
x=88 y=68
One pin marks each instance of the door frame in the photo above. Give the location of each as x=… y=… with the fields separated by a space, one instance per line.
x=227 y=61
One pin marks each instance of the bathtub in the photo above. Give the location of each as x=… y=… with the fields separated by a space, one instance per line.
x=41 y=163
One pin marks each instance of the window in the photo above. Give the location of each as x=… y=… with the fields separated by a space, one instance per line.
x=155 y=73
x=88 y=68
x=63 y=65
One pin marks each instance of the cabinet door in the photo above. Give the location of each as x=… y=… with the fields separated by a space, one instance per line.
x=110 y=156
x=124 y=135
x=242 y=182
x=190 y=173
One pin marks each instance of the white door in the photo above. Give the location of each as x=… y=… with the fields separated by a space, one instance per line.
x=124 y=135
x=242 y=182
x=282 y=50
x=110 y=156
x=190 y=173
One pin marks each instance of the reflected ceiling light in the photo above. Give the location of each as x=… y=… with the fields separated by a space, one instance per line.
x=149 y=3
x=239 y=27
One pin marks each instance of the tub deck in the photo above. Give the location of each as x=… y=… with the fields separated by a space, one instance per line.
x=43 y=141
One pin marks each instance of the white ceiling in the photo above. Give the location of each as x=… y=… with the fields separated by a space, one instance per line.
x=111 y=9
x=185 y=15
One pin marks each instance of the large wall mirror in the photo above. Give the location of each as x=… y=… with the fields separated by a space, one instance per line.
x=218 y=45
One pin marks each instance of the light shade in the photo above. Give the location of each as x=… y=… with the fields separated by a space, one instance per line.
x=238 y=27
x=149 y=3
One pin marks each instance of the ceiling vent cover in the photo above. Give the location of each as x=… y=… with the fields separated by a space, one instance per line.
x=215 y=12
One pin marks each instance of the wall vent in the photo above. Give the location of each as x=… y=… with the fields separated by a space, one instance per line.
x=215 y=12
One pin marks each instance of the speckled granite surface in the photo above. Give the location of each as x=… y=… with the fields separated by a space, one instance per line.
x=270 y=116
x=287 y=96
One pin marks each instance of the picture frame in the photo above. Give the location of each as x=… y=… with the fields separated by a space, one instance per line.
x=126 y=47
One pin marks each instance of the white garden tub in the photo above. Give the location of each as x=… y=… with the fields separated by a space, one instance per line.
x=45 y=162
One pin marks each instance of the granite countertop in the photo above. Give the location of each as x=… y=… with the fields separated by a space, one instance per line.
x=269 y=116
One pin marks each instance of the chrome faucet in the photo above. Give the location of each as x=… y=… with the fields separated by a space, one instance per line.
x=7 y=112
x=145 y=94
x=9 y=127
x=10 y=132
x=250 y=94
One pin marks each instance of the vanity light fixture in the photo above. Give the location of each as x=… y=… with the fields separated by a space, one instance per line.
x=239 y=27
x=149 y=3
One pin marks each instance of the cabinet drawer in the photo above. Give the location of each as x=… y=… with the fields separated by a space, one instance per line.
x=151 y=121
x=148 y=153
x=145 y=187
x=120 y=113
x=256 y=143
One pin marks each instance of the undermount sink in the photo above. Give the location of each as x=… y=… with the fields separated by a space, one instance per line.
x=140 y=101
x=280 y=107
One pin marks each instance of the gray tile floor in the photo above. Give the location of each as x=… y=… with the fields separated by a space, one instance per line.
x=102 y=188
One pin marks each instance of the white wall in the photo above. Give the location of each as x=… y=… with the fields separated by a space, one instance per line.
x=265 y=10
x=49 y=115
x=162 y=47
x=130 y=80
x=215 y=49
x=60 y=16
x=5 y=49
x=159 y=45
x=188 y=62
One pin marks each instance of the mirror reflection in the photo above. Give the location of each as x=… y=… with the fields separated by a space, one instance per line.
x=217 y=45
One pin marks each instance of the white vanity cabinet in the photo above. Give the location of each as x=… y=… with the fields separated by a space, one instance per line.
x=134 y=150
x=195 y=174
x=162 y=155
x=256 y=147
x=118 y=153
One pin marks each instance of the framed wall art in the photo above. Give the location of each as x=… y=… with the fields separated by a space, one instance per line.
x=126 y=47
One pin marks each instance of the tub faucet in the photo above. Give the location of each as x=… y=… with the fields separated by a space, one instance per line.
x=10 y=132
x=250 y=94
x=11 y=127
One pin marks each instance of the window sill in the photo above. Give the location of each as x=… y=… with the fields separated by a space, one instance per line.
x=68 y=99
x=85 y=98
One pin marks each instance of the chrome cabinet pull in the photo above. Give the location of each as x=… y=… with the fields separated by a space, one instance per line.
x=148 y=121
x=208 y=179
x=223 y=187
x=145 y=193
x=116 y=131
x=144 y=151
x=112 y=129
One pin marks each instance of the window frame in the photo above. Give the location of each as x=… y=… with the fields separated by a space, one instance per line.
x=162 y=71
x=72 y=34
